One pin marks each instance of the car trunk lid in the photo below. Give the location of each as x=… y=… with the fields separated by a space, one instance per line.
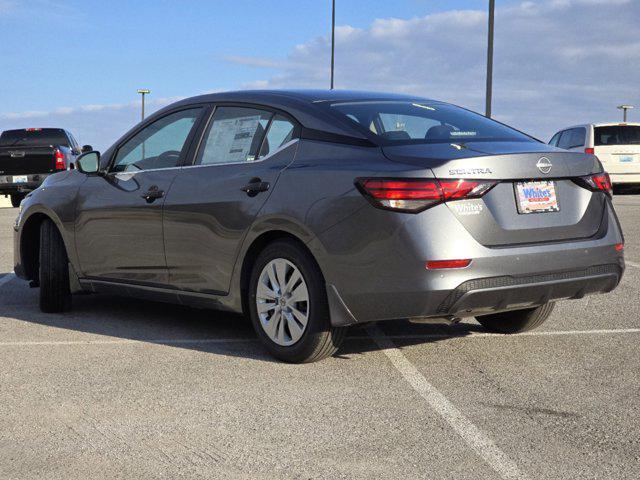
x=523 y=171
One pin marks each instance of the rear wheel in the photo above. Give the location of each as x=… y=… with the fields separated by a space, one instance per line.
x=55 y=294
x=516 y=321
x=16 y=198
x=288 y=305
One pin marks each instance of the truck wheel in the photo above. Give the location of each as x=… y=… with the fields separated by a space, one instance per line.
x=16 y=198
x=288 y=305
x=55 y=295
x=516 y=321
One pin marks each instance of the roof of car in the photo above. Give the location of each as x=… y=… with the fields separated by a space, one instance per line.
x=606 y=124
x=302 y=104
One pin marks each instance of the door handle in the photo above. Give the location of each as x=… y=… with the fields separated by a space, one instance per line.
x=153 y=194
x=255 y=186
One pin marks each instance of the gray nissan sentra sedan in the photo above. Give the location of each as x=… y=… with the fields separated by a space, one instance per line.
x=311 y=211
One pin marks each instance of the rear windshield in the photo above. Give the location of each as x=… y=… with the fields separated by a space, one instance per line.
x=617 y=135
x=34 y=137
x=398 y=122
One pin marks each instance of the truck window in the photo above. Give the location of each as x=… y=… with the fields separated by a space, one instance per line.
x=34 y=137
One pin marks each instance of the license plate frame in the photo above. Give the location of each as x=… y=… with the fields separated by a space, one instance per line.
x=536 y=196
x=20 y=179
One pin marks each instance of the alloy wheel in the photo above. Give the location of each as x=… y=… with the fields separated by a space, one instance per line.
x=282 y=302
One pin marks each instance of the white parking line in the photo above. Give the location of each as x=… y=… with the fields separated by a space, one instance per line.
x=471 y=434
x=204 y=341
x=123 y=341
x=632 y=264
x=7 y=278
x=604 y=331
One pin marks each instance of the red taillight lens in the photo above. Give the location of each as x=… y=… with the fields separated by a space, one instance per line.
x=415 y=195
x=61 y=163
x=442 y=264
x=590 y=151
x=600 y=182
x=619 y=247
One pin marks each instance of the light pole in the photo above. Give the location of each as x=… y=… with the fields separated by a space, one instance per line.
x=624 y=109
x=143 y=92
x=492 y=8
x=333 y=39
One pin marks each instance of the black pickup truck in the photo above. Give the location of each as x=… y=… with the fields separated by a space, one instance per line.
x=28 y=156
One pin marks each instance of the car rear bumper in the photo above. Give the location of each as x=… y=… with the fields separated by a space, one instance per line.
x=625 y=178
x=382 y=275
x=494 y=294
x=8 y=185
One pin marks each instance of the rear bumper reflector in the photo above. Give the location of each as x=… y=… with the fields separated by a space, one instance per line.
x=445 y=264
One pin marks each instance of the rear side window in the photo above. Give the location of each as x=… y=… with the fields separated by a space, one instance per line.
x=281 y=131
x=398 y=122
x=234 y=135
x=572 y=138
x=617 y=135
x=34 y=137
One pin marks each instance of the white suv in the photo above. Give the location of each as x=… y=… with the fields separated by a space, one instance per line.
x=617 y=146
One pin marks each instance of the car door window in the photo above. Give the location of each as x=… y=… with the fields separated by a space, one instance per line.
x=281 y=130
x=159 y=145
x=234 y=135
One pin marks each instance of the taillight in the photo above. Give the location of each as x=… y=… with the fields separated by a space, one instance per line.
x=590 y=151
x=447 y=264
x=600 y=182
x=61 y=163
x=417 y=194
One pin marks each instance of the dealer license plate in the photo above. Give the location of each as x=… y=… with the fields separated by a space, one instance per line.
x=537 y=197
x=20 y=179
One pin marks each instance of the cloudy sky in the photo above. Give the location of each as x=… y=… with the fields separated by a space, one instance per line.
x=77 y=64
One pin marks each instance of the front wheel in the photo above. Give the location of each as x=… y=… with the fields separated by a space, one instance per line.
x=16 y=198
x=516 y=321
x=55 y=294
x=288 y=305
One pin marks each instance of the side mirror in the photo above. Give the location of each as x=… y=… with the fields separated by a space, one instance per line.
x=86 y=149
x=89 y=162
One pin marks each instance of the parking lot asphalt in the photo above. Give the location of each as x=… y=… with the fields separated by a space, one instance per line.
x=120 y=388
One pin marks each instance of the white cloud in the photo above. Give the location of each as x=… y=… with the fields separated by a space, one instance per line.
x=98 y=125
x=557 y=62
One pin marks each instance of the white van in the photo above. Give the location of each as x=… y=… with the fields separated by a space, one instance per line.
x=617 y=146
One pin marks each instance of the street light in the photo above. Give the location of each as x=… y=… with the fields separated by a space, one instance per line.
x=492 y=7
x=624 y=109
x=333 y=39
x=143 y=92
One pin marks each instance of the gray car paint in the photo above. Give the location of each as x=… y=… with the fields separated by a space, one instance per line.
x=373 y=260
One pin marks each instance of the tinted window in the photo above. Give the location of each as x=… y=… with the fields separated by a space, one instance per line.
x=554 y=139
x=617 y=135
x=280 y=132
x=424 y=122
x=158 y=145
x=572 y=138
x=234 y=135
x=34 y=137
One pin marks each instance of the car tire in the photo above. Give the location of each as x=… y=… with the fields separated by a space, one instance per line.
x=277 y=324
x=516 y=321
x=16 y=198
x=55 y=294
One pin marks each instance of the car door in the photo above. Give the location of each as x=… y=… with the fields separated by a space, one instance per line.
x=118 y=228
x=213 y=202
